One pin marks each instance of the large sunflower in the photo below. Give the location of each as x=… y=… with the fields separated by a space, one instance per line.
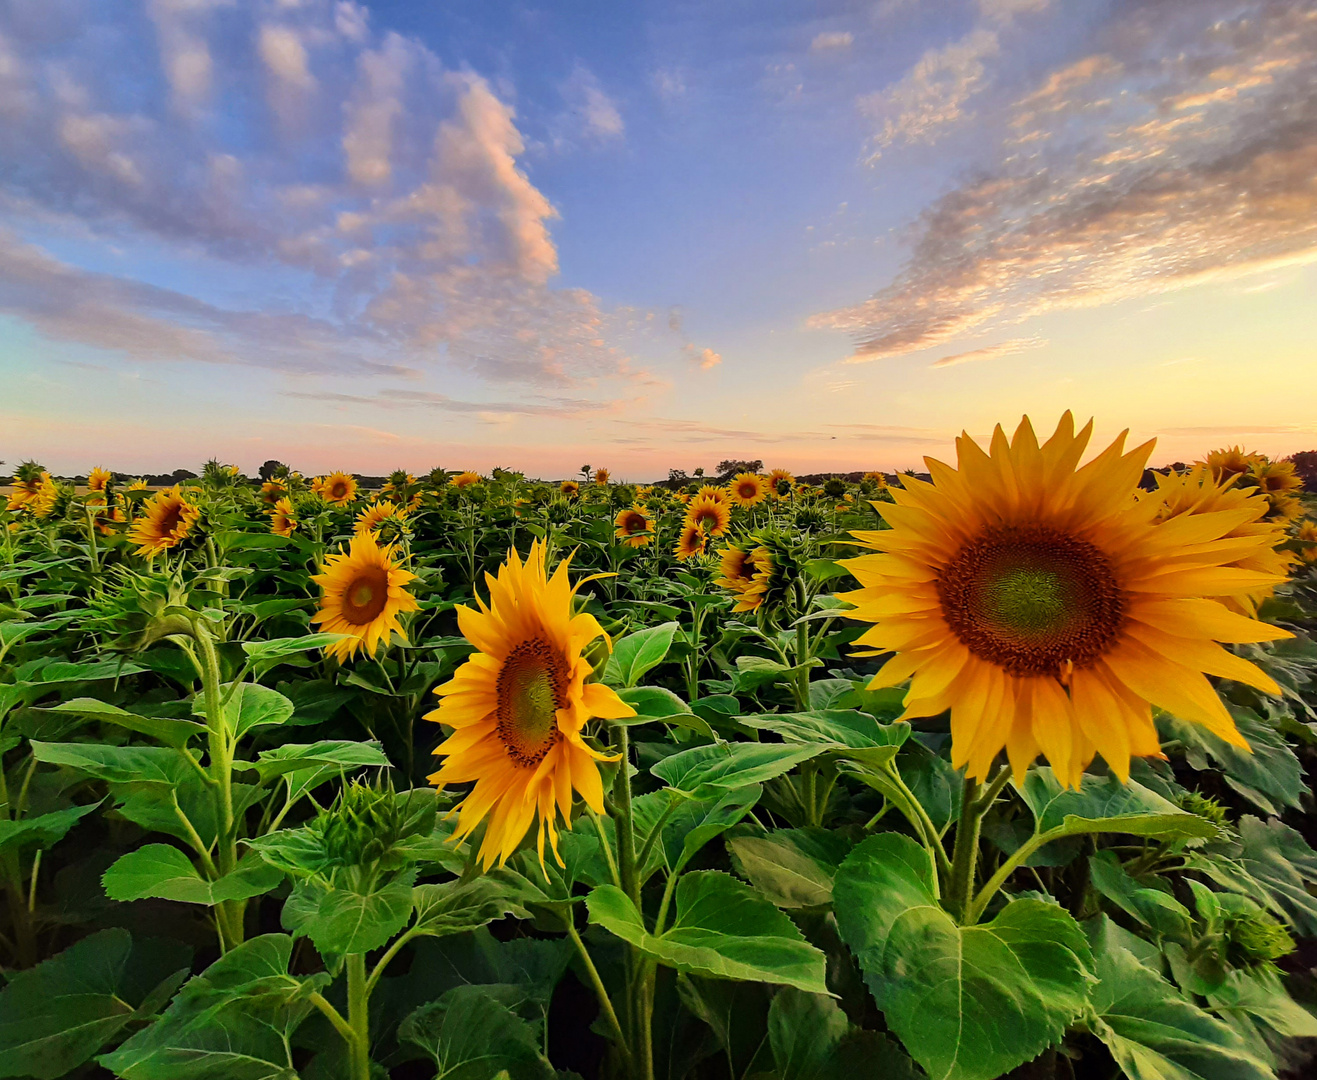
x=167 y=518
x=518 y=706
x=363 y=595
x=338 y=488
x=710 y=516
x=465 y=479
x=632 y=526
x=1048 y=609
x=747 y=489
x=1230 y=461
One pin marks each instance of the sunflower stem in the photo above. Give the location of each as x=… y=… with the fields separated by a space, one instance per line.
x=605 y=1002
x=964 y=856
x=626 y=828
x=358 y=1017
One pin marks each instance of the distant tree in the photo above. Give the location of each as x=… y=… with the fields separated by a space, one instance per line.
x=271 y=469
x=729 y=468
x=180 y=475
x=1305 y=464
x=677 y=478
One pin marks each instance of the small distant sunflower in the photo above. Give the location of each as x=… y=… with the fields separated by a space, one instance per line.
x=272 y=491
x=601 y=476
x=747 y=489
x=98 y=479
x=166 y=519
x=1048 y=609
x=363 y=595
x=139 y=485
x=746 y=575
x=376 y=514
x=338 y=488
x=1274 y=477
x=683 y=497
x=282 y=518
x=42 y=504
x=878 y=478
x=465 y=479
x=690 y=543
x=1307 y=534
x=1230 y=461
x=632 y=524
x=107 y=518
x=712 y=491
x=711 y=516
x=518 y=706
x=776 y=479
x=570 y=488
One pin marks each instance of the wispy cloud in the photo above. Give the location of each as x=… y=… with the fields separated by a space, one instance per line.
x=294 y=139
x=590 y=114
x=1181 y=149
x=988 y=352
x=831 y=41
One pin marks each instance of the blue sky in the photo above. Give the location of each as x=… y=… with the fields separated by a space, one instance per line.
x=374 y=235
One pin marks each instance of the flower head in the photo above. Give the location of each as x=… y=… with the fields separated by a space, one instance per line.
x=166 y=519
x=364 y=592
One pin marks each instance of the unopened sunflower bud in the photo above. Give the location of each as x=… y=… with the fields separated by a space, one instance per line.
x=1258 y=938
x=362 y=825
x=1204 y=807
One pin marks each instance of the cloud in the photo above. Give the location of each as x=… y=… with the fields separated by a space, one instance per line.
x=988 y=352
x=392 y=398
x=669 y=83
x=931 y=97
x=381 y=188
x=706 y=358
x=1181 y=149
x=591 y=115
x=831 y=40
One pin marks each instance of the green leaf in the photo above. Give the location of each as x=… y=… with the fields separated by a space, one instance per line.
x=337 y=754
x=1280 y=860
x=43 y=829
x=969 y=1003
x=844 y=733
x=707 y=771
x=164 y=872
x=297 y=852
x=277 y=649
x=131 y=765
x=825 y=570
x=1155 y=1034
x=794 y=868
x=473 y=1036
x=637 y=653
x=654 y=703
x=722 y=930
x=251 y=705
x=55 y=1016
x=1270 y=777
x=690 y=825
x=812 y=1039
x=1104 y=804
x=232 y=1022
x=339 y=921
x=163 y=729
x=753 y=672
x=1151 y=906
x=456 y=907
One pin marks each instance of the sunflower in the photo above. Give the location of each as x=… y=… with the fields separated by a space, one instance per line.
x=1307 y=534
x=1048 y=609
x=1230 y=461
x=776 y=479
x=632 y=524
x=711 y=516
x=98 y=479
x=139 y=485
x=712 y=491
x=1196 y=491
x=569 y=488
x=683 y=497
x=167 y=517
x=29 y=486
x=747 y=489
x=1274 y=477
x=465 y=479
x=746 y=575
x=690 y=543
x=272 y=491
x=338 y=488
x=282 y=521
x=517 y=708
x=376 y=514
x=106 y=518
x=363 y=596
x=601 y=476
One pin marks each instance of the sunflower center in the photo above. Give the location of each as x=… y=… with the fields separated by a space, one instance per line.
x=532 y=687
x=1031 y=599
x=366 y=595
x=169 y=519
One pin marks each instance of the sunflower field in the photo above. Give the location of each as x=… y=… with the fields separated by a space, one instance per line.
x=997 y=770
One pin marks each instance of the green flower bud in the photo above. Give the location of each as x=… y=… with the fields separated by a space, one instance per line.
x=1258 y=938
x=1204 y=807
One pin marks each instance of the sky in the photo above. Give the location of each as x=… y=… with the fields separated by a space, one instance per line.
x=643 y=235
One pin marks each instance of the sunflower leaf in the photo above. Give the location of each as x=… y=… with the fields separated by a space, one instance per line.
x=249 y=705
x=844 y=733
x=637 y=653
x=343 y=754
x=656 y=704
x=794 y=868
x=722 y=929
x=339 y=921
x=1104 y=804
x=708 y=771
x=164 y=872
x=474 y=1036
x=971 y=1002
x=261 y=651
x=164 y=729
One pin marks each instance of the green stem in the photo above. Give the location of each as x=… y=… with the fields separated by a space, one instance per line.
x=358 y=1017
x=606 y=845
x=964 y=857
x=334 y=1017
x=625 y=823
x=605 y=1002
x=915 y=813
x=653 y=836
